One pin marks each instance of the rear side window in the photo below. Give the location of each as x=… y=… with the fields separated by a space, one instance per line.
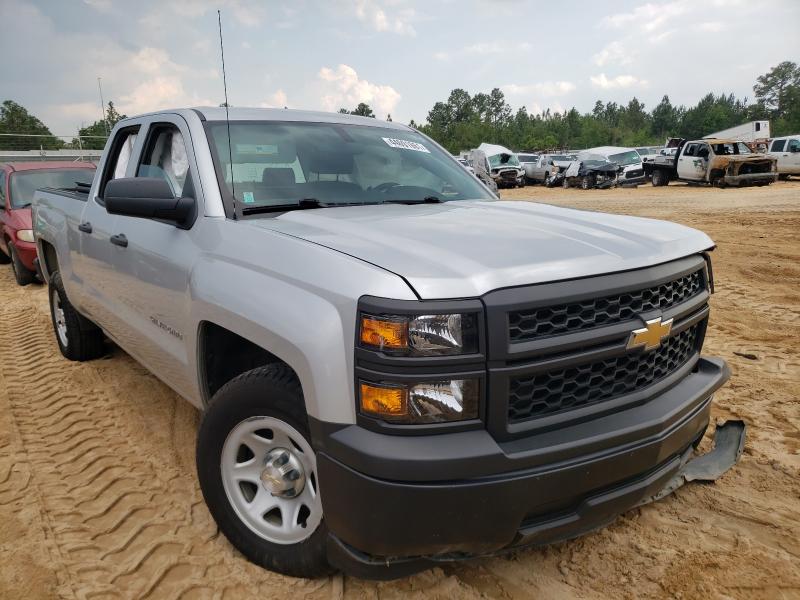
x=794 y=146
x=165 y=157
x=777 y=145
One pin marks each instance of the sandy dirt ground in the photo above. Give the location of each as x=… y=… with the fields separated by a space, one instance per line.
x=98 y=496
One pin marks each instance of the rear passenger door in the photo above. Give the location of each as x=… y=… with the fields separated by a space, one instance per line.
x=153 y=269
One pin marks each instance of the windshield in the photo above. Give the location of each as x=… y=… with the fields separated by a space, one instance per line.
x=631 y=157
x=282 y=163
x=503 y=160
x=25 y=183
x=733 y=148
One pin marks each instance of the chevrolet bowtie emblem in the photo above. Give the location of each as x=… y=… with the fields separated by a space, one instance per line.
x=650 y=337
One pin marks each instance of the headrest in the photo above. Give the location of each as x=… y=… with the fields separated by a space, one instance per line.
x=278 y=176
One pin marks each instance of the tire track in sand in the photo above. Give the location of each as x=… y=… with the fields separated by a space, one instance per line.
x=120 y=525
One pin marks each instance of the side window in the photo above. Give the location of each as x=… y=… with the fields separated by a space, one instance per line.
x=119 y=157
x=794 y=146
x=690 y=150
x=777 y=145
x=165 y=157
x=758 y=126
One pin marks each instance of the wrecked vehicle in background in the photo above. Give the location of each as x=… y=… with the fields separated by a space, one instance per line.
x=504 y=166
x=547 y=166
x=716 y=161
x=591 y=171
x=479 y=163
x=631 y=172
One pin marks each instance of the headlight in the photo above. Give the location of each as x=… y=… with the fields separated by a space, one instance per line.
x=25 y=235
x=420 y=335
x=425 y=402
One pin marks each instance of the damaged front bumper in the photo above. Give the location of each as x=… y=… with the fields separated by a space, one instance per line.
x=566 y=483
x=751 y=179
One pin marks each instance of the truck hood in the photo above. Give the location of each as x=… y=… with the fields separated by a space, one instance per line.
x=467 y=248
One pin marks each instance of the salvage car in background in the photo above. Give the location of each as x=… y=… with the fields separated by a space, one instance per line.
x=504 y=166
x=714 y=161
x=18 y=182
x=786 y=150
x=627 y=158
x=547 y=166
x=591 y=171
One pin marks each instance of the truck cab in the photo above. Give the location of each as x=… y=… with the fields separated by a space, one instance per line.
x=786 y=150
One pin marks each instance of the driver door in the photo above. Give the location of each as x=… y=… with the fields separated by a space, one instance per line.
x=691 y=165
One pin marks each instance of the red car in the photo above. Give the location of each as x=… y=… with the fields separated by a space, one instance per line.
x=18 y=182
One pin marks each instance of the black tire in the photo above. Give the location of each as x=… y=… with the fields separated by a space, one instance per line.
x=84 y=340
x=546 y=180
x=271 y=391
x=659 y=178
x=565 y=183
x=587 y=182
x=22 y=274
x=4 y=258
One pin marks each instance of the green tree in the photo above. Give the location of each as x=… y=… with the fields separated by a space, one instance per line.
x=777 y=89
x=363 y=109
x=94 y=136
x=16 y=119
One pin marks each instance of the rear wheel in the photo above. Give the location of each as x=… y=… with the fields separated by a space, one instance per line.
x=78 y=338
x=22 y=274
x=659 y=178
x=258 y=472
x=587 y=182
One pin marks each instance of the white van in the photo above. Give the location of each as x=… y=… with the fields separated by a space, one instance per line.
x=787 y=150
x=627 y=158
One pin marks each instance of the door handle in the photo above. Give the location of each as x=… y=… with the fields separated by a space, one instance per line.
x=85 y=227
x=119 y=240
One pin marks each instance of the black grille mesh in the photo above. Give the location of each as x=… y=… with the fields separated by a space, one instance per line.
x=553 y=391
x=558 y=319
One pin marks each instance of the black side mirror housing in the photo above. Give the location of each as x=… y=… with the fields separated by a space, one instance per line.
x=149 y=198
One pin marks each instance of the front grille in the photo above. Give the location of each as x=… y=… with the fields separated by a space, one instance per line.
x=635 y=173
x=529 y=324
x=586 y=384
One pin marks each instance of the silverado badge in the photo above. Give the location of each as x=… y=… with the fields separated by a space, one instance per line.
x=650 y=336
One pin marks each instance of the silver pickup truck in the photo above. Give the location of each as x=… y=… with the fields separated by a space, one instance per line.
x=395 y=368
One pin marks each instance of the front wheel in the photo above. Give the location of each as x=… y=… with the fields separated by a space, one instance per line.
x=258 y=472
x=546 y=180
x=587 y=182
x=22 y=274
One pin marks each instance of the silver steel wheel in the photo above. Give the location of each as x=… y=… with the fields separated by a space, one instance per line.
x=269 y=473
x=58 y=318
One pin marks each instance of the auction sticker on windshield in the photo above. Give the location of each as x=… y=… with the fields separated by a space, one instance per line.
x=406 y=145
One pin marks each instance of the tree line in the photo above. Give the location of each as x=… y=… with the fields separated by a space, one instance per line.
x=463 y=121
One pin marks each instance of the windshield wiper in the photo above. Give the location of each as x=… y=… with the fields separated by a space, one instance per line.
x=425 y=200
x=302 y=204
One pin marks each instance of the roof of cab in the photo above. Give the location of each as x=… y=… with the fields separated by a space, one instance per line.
x=217 y=113
x=47 y=164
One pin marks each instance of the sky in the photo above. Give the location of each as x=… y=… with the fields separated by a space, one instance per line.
x=399 y=56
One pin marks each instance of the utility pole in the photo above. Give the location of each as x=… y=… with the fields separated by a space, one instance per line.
x=102 y=105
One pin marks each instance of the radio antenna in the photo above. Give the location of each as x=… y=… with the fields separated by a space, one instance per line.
x=227 y=117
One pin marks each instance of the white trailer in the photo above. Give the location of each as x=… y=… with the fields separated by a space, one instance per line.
x=752 y=133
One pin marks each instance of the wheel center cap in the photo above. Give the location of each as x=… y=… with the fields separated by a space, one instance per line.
x=283 y=473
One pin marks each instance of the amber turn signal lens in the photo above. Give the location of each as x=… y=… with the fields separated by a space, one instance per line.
x=382 y=333
x=382 y=401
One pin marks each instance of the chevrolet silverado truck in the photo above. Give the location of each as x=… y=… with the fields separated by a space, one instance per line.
x=720 y=162
x=395 y=368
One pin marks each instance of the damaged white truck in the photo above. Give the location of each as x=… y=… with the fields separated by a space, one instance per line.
x=395 y=369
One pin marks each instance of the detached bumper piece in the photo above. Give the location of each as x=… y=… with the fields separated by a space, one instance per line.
x=594 y=512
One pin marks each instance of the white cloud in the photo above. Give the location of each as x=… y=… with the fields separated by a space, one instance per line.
x=376 y=16
x=496 y=47
x=620 y=81
x=649 y=17
x=343 y=88
x=613 y=53
x=554 y=107
x=542 y=88
x=250 y=13
x=276 y=100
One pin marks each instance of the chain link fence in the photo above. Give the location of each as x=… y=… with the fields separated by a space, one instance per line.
x=16 y=147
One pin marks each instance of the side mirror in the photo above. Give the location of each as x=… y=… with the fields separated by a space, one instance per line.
x=148 y=198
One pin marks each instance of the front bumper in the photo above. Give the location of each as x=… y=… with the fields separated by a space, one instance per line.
x=750 y=178
x=27 y=254
x=398 y=504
